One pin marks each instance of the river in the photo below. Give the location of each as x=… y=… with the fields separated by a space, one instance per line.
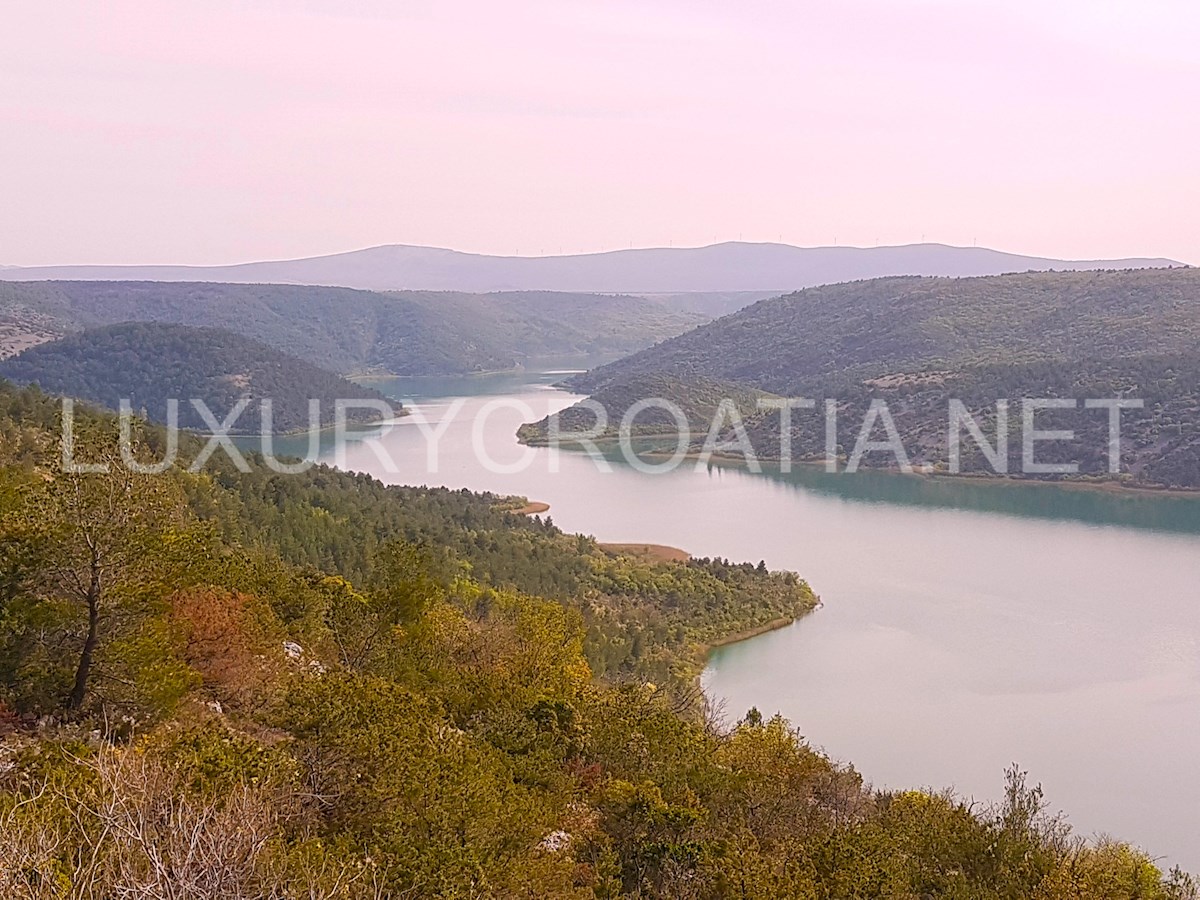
x=964 y=626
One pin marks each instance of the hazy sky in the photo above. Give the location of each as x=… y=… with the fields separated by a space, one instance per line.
x=222 y=131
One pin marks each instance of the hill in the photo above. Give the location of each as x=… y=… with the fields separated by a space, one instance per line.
x=710 y=304
x=918 y=343
x=351 y=331
x=731 y=266
x=151 y=363
x=872 y=328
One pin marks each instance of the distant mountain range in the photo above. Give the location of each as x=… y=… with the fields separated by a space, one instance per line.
x=727 y=267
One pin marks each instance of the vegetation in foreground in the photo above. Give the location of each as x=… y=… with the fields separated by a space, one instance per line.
x=255 y=685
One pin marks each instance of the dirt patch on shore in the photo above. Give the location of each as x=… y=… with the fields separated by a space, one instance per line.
x=652 y=552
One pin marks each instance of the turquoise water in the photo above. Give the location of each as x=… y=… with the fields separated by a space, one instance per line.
x=964 y=625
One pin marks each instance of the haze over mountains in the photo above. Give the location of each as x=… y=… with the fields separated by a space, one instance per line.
x=731 y=266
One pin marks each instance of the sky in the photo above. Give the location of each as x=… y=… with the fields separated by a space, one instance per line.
x=154 y=131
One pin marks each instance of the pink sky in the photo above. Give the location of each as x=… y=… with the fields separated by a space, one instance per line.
x=166 y=132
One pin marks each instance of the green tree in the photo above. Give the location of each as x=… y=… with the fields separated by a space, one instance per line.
x=78 y=546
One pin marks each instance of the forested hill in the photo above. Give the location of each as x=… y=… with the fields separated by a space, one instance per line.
x=352 y=331
x=151 y=363
x=317 y=686
x=919 y=343
x=867 y=329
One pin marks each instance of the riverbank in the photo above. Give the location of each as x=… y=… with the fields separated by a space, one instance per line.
x=666 y=554
x=555 y=364
x=1112 y=485
x=399 y=411
x=1080 y=483
x=373 y=377
x=767 y=628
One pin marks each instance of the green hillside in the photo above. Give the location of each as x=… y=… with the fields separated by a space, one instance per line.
x=919 y=343
x=866 y=329
x=150 y=363
x=319 y=686
x=352 y=331
x=1160 y=442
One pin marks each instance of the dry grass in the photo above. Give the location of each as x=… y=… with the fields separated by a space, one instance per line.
x=650 y=552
